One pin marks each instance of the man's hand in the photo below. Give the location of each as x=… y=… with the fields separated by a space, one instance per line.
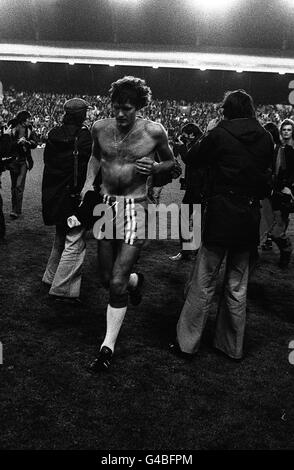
x=144 y=166
x=22 y=141
x=7 y=130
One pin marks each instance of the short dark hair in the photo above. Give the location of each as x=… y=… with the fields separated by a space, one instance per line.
x=287 y=122
x=192 y=128
x=273 y=129
x=238 y=104
x=22 y=116
x=132 y=89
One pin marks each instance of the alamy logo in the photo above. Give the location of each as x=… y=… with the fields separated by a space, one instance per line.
x=291 y=355
x=130 y=220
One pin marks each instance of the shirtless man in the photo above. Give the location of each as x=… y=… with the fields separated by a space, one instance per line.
x=124 y=148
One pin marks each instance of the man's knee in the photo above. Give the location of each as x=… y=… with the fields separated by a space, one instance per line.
x=118 y=292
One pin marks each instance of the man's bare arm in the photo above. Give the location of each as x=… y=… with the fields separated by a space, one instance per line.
x=167 y=161
x=165 y=153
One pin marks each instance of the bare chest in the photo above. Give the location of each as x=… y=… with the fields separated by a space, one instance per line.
x=128 y=148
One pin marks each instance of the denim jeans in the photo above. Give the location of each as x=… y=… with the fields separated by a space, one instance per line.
x=63 y=270
x=231 y=314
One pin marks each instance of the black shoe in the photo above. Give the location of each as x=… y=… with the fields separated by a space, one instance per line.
x=102 y=362
x=222 y=354
x=175 y=349
x=67 y=300
x=135 y=293
x=14 y=215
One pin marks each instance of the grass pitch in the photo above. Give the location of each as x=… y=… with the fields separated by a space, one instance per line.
x=150 y=400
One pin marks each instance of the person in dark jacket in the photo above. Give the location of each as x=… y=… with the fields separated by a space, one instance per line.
x=239 y=153
x=24 y=140
x=5 y=149
x=66 y=156
x=283 y=194
x=192 y=181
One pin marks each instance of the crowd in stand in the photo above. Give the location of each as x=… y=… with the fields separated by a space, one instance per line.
x=47 y=111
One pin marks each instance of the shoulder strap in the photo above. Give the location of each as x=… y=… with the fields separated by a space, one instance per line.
x=76 y=160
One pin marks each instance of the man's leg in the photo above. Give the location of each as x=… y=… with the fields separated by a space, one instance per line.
x=196 y=308
x=2 y=220
x=106 y=254
x=19 y=190
x=68 y=276
x=126 y=258
x=55 y=255
x=231 y=318
x=13 y=177
x=279 y=236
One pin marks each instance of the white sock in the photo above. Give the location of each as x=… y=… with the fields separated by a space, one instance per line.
x=133 y=280
x=114 y=319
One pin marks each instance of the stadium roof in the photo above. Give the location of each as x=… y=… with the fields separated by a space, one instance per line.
x=172 y=56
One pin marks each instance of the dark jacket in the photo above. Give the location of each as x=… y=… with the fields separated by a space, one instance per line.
x=59 y=194
x=285 y=176
x=22 y=152
x=239 y=153
x=5 y=150
x=194 y=177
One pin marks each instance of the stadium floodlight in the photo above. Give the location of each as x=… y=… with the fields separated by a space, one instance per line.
x=214 y=4
x=126 y=1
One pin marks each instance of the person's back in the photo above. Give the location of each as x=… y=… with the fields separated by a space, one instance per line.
x=238 y=152
x=240 y=156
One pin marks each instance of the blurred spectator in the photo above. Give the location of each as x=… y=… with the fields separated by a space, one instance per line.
x=5 y=148
x=192 y=183
x=23 y=140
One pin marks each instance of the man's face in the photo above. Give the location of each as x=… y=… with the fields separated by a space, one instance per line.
x=124 y=113
x=286 y=132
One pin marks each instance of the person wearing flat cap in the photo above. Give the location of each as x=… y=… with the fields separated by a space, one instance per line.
x=66 y=156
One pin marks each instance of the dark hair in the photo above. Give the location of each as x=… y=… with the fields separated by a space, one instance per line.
x=22 y=116
x=191 y=128
x=287 y=122
x=273 y=129
x=130 y=89
x=77 y=118
x=12 y=122
x=238 y=104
